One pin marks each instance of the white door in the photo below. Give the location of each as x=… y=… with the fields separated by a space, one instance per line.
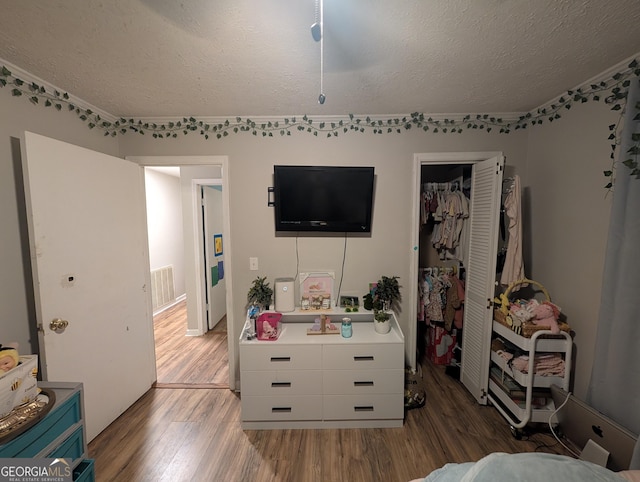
x=486 y=190
x=89 y=254
x=214 y=253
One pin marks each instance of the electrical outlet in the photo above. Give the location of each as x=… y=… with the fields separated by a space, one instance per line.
x=253 y=264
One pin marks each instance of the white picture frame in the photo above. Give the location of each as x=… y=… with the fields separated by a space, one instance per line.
x=316 y=290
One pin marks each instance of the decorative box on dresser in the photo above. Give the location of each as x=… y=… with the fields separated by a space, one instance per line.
x=60 y=434
x=323 y=381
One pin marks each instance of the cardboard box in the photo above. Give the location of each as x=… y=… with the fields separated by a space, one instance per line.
x=19 y=385
x=268 y=326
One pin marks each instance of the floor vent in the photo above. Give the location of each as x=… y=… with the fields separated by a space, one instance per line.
x=162 y=289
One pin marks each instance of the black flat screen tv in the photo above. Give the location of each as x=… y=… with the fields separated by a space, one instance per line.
x=323 y=198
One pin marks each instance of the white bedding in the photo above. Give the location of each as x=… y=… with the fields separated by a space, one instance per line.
x=529 y=467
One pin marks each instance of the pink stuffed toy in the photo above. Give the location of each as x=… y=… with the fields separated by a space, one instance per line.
x=546 y=314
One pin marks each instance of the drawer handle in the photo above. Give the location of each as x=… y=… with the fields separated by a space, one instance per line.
x=367 y=408
x=281 y=410
x=280 y=384
x=363 y=384
x=363 y=358
x=280 y=358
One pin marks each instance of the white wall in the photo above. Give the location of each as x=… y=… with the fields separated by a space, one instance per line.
x=570 y=219
x=564 y=161
x=17 y=320
x=164 y=223
x=386 y=252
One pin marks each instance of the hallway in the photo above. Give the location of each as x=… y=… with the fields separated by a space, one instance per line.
x=189 y=361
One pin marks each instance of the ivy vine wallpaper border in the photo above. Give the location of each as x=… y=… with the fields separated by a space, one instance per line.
x=613 y=91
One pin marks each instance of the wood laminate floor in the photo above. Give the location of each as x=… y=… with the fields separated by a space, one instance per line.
x=189 y=361
x=183 y=434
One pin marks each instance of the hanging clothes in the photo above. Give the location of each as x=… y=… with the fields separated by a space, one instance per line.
x=440 y=297
x=441 y=300
x=448 y=207
x=459 y=312
x=513 y=269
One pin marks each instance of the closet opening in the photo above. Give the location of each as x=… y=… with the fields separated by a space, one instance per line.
x=443 y=249
x=482 y=171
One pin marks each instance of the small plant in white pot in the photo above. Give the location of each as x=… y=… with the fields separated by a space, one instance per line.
x=386 y=298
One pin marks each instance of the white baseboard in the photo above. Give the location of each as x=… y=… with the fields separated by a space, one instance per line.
x=180 y=298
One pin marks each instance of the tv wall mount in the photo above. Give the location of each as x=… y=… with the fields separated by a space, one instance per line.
x=270 y=202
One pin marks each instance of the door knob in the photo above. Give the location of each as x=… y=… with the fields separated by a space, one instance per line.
x=58 y=325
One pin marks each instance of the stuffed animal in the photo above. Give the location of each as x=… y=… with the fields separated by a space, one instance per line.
x=501 y=300
x=515 y=323
x=546 y=314
x=523 y=312
x=9 y=357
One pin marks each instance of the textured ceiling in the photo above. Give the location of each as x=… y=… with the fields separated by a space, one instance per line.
x=163 y=58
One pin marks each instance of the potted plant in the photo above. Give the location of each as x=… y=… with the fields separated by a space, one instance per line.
x=385 y=298
x=260 y=293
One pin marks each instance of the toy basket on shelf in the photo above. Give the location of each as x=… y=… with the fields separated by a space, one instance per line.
x=523 y=327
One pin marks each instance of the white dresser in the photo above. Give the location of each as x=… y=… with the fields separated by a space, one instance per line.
x=323 y=381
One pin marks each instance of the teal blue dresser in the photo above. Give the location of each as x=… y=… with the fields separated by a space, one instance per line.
x=60 y=434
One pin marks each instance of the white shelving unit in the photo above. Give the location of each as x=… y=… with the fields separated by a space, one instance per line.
x=540 y=341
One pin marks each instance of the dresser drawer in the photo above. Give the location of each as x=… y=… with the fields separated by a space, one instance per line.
x=359 y=407
x=353 y=382
x=85 y=471
x=71 y=448
x=358 y=357
x=283 y=382
x=305 y=407
x=270 y=356
x=38 y=437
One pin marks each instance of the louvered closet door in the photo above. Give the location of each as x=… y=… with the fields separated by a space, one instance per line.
x=480 y=282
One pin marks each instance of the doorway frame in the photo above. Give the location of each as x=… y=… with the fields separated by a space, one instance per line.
x=223 y=163
x=419 y=160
